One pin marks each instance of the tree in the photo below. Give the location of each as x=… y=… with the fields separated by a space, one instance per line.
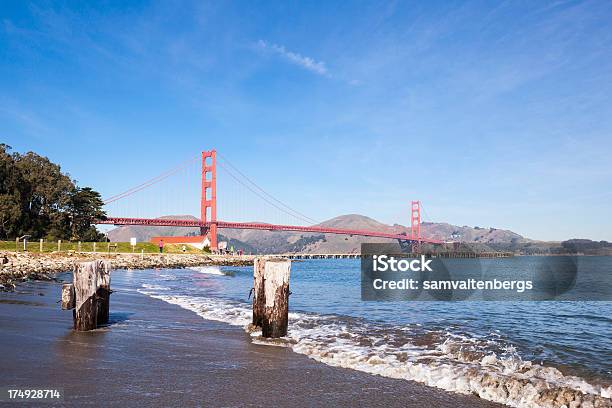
x=36 y=198
x=46 y=196
x=10 y=215
x=84 y=209
x=10 y=194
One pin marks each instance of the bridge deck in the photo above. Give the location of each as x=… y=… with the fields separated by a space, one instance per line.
x=257 y=226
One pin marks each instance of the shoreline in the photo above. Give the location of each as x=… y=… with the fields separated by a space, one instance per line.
x=16 y=267
x=127 y=310
x=163 y=355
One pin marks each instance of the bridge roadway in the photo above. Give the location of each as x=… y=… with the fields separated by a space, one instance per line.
x=447 y=254
x=320 y=256
x=164 y=222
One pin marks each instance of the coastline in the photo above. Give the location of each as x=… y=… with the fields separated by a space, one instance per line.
x=178 y=359
x=18 y=267
x=488 y=384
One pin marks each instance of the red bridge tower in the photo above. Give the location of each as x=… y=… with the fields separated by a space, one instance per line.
x=208 y=206
x=415 y=226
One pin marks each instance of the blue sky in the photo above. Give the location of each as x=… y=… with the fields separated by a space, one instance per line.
x=492 y=115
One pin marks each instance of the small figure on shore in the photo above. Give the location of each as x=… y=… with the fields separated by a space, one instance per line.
x=184 y=248
x=161 y=246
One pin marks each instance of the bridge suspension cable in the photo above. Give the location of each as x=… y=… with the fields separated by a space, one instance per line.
x=287 y=211
x=151 y=181
x=427 y=217
x=261 y=193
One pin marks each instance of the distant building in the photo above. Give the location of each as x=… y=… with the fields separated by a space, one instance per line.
x=197 y=241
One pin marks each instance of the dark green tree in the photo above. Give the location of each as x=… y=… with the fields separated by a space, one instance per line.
x=36 y=198
x=85 y=207
x=11 y=213
x=46 y=196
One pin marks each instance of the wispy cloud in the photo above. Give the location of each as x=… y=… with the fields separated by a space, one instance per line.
x=318 y=67
x=29 y=122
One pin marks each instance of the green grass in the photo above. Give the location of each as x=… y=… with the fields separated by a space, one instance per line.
x=123 y=247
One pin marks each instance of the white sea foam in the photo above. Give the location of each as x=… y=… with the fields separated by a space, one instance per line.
x=445 y=360
x=209 y=270
x=154 y=287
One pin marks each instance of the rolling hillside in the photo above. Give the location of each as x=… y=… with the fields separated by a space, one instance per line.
x=279 y=242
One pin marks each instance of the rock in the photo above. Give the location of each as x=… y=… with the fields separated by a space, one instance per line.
x=21 y=267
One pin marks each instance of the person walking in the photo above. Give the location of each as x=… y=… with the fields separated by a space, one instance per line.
x=161 y=246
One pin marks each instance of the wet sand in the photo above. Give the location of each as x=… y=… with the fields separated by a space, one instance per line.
x=157 y=354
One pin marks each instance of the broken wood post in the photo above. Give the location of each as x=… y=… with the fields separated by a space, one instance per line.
x=89 y=294
x=68 y=296
x=59 y=245
x=85 y=280
x=103 y=292
x=94 y=247
x=259 y=298
x=276 y=292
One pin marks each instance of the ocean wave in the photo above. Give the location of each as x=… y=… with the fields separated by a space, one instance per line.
x=208 y=270
x=154 y=287
x=484 y=366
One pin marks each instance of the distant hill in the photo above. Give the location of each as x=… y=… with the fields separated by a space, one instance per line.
x=278 y=242
x=587 y=247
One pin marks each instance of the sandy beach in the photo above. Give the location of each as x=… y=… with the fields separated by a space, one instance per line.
x=157 y=354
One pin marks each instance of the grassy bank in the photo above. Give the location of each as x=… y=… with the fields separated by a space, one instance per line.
x=118 y=247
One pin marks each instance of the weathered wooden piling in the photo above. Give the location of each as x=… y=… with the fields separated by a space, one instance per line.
x=276 y=292
x=259 y=297
x=68 y=296
x=103 y=292
x=85 y=281
x=88 y=295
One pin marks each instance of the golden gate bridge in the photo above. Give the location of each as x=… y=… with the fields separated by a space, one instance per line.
x=209 y=224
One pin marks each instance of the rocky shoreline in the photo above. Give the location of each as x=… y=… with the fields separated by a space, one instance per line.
x=17 y=267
